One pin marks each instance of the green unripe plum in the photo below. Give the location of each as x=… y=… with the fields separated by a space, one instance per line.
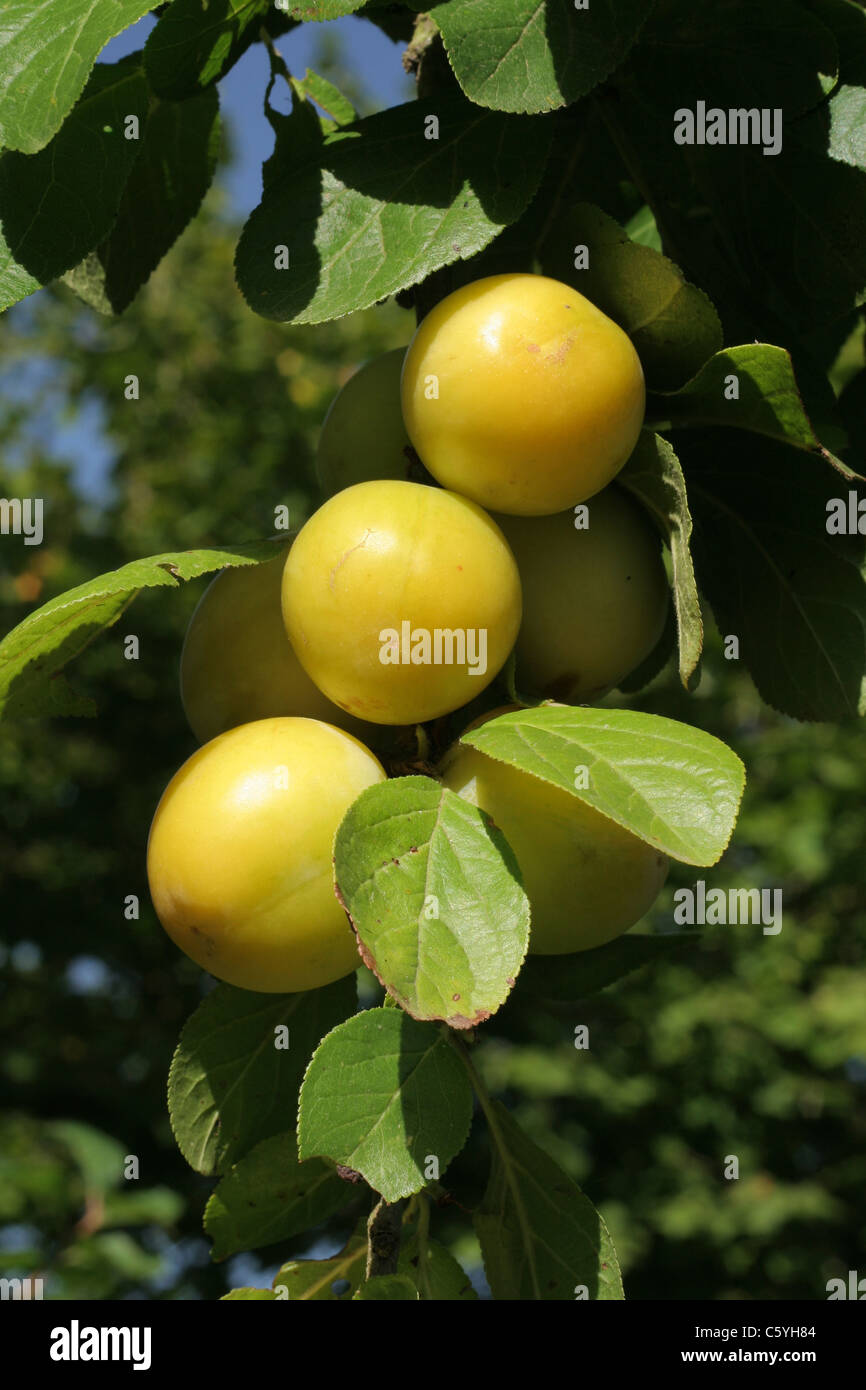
x=402 y=601
x=240 y=854
x=595 y=600
x=587 y=879
x=363 y=436
x=237 y=664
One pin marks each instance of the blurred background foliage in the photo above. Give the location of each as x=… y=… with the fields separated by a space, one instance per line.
x=746 y=1045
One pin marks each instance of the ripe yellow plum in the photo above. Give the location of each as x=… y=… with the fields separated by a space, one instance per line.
x=402 y=601
x=587 y=879
x=363 y=436
x=239 y=858
x=237 y=664
x=521 y=394
x=595 y=599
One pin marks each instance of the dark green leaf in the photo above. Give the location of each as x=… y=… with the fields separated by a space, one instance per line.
x=388 y=1287
x=739 y=53
x=249 y=1296
x=179 y=148
x=434 y=1270
x=229 y=1086
x=196 y=41
x=541 y=1238
x=268 y=1196
x=793 y=594
x=673 y=325
x=775 y=238
x=335 y=1279
x=428 y=1266
x=58 y=205
x=767 y=399
x=852 y=409
x=657 y=660
x=142 y=1206
x=574 y=977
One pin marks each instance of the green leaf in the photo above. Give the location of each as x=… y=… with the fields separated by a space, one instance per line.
x=574 y=977
x=115 y=1253
x=249 y=1296
x=98 y=1156
x=383 y=1095
x=34 y=651
x=769 y=401
x=179 y=148
x=653 y=475
x=428 y=1266
x=56 y=206
x=328 y=97
x=146 y=1206
x=852 y=409
x=434 y=895
x=793 y=594
x=313 y=1280
x=375 y=206
x=673 y=325
x=643 y=230
x=582 y=157
x=322 y=9
x=196 y=41
x=541 y=1238
x=846 y=111
x=46 y=53
x=676 y=787
x=433 y=1269
x=388 y=1287
x=229 y=1086
x=535 y=55
x=739 y=53
x=268 y=1196
x=774 y=237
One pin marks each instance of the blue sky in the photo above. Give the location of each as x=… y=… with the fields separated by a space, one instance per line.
x=372 y=56
x=373 y=59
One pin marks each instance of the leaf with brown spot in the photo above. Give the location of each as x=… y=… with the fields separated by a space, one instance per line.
x=433 y=893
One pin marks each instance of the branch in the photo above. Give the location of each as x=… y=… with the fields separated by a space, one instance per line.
x=384 y=1229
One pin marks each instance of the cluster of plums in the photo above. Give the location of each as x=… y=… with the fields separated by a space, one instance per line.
x=399 y=602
